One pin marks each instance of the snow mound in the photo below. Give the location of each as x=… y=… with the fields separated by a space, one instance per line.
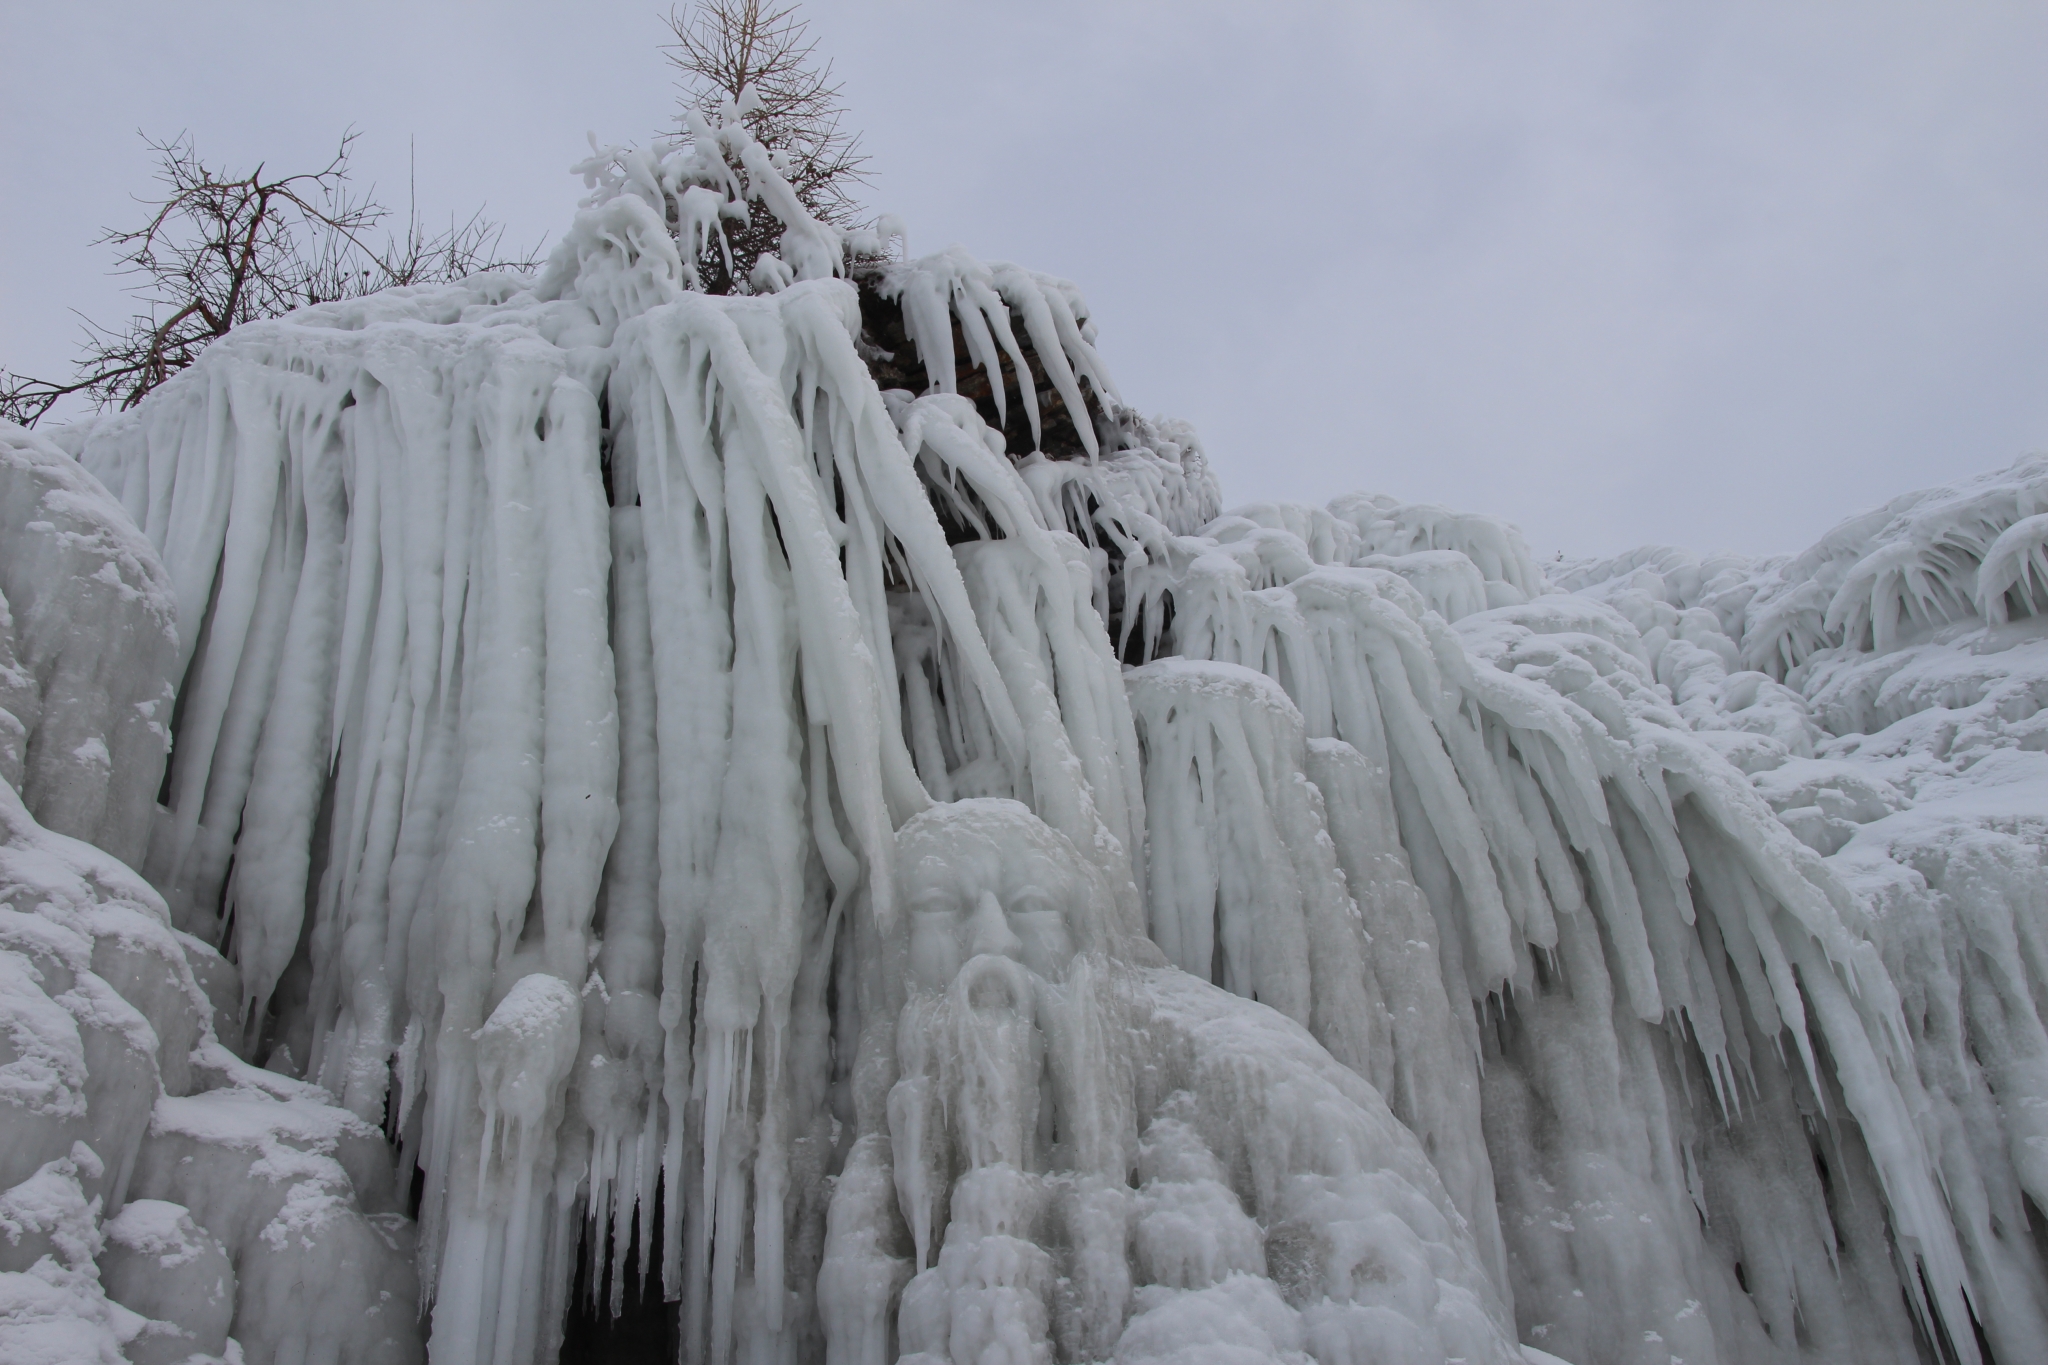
x=229 y=1206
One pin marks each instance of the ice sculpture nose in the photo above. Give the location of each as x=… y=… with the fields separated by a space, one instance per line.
x=990 y=929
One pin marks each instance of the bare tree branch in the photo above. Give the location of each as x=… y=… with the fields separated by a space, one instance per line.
x=219 y=250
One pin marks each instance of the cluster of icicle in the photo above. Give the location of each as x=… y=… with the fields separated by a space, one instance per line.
x=1905 y=747
x=717 y=816
x=1704 y=1131
x=161 y=1201
x=1973 y=552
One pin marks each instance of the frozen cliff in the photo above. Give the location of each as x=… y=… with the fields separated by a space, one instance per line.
x=570 y=817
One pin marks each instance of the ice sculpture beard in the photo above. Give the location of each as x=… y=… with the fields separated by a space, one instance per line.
x=994 y=1059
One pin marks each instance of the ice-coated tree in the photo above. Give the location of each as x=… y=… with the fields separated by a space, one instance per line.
x=761 y=59
x=220 y=249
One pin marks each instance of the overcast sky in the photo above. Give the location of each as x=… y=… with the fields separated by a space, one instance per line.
x=1709 y=274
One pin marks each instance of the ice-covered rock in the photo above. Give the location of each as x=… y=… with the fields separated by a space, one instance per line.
x=87 y=644
x=116 y=1095
x=213 y=1198
x=161 y=1264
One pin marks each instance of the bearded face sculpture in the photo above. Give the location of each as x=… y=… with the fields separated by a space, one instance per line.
x=1088 y=1154
x=995 y=902
x=980 y=882
x=990 y=1151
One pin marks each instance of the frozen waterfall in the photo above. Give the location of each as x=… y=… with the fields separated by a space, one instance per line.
x=565 y=816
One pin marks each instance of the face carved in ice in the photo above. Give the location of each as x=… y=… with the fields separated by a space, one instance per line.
x=987 y=879
x=996 y=906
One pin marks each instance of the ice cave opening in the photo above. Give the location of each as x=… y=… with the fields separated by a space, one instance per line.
x=566 y=817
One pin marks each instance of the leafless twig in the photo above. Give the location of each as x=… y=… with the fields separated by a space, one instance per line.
x=219 y=250
x=724 y=48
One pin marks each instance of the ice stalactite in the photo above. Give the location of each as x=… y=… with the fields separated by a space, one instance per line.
x=1260 y=840
x=1613 y=898
x=986 y=303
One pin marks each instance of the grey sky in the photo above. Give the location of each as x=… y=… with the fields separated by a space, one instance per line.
x=1707 y=274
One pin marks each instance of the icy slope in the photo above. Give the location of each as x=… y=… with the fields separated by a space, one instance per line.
x=159 y=1199
x=1910 y=632
x=1671 y=992
x=797 y=805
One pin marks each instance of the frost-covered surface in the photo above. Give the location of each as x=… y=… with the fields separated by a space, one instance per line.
x=87 y=639
x=804 y=795
x=1911 y=638
x=160 y=1200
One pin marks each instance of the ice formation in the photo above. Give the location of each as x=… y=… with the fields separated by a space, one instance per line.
x=153 y=1180
x=788 y=827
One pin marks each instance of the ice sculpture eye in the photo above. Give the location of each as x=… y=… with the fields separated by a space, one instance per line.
x=1047 y=945
x=1032 y=900
x=1039 y=921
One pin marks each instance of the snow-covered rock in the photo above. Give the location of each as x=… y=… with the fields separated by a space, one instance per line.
x=160 y=1200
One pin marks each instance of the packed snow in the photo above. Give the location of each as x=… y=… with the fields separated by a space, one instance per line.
x=527 y=799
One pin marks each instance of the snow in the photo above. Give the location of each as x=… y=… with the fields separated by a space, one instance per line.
x=163 y=1265
x=994 y=903
x=163 y=1201
x=88 y=622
